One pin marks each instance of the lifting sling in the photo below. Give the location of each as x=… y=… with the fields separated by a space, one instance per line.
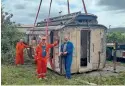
x=68 y=6
x=31 y=51
x=46 y=29
x=37 y=15
x=51 y=60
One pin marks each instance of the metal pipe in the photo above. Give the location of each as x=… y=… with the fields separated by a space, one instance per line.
x=114 y=58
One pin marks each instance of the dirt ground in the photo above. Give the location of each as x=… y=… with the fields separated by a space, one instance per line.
x=109 y=69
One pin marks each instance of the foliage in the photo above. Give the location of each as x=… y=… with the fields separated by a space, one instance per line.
x=9 y=36
x=116 y=37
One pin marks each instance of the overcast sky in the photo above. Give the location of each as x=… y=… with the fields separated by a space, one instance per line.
x=109 y=12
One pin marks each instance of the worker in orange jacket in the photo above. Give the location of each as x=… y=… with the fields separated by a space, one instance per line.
x=19 y=52
x=41 y=57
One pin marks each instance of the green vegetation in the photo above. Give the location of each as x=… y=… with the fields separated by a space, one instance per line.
x=9 y=36
x=116 y=37
x=25 y=75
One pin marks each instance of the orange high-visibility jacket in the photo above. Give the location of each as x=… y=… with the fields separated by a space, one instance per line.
x=19 y=53
x=20 y=47
x=39 y=50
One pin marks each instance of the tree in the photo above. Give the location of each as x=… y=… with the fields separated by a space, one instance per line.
x=116 y=37
x=9 y=36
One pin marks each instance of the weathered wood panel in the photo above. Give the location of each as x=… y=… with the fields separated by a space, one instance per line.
x=103 y=48
x=96 y=47
x=73 y=37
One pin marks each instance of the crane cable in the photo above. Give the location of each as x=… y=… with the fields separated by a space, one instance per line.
x=47 y=23
x=30 y=50
x=37 y=15
x=46 y=29
x=68 y=6
x=84 y=7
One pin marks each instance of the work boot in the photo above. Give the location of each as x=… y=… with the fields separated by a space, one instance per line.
x=40 y=78
x=17 y=65
x=45 y=78
x=68 y=77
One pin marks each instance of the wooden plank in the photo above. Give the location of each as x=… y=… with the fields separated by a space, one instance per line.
x=97 y=46
x=78 y=49
x=73 y=40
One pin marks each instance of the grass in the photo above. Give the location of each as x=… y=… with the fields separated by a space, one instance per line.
x=25 y=75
